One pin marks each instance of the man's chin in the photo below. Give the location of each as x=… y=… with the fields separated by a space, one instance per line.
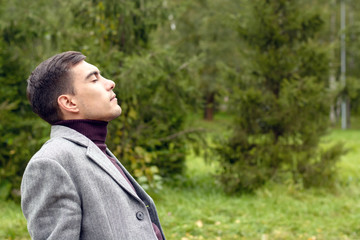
x=117 y=114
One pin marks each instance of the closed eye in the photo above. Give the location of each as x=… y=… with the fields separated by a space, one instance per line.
x=95 y=74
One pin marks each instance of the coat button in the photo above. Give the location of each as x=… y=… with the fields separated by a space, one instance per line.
x=140 y=215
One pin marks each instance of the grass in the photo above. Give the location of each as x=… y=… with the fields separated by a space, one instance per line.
x=349 y=166
x=12 y=221
x=200 y=210
x=275 y=212
x=196 y=207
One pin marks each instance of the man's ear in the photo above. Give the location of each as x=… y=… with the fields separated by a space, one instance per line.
x=67 y=104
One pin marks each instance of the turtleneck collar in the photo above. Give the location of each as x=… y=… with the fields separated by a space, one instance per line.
x=95 y=130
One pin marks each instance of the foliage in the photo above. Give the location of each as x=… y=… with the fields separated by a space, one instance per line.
x=16 y=147
x=203 y=29
x=150 y=135
x=353 y=55
x=116 y=27
x=16 y=141
x=281 y=103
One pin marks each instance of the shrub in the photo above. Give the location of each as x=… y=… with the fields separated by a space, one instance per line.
x=281 y=102
x=150 y=135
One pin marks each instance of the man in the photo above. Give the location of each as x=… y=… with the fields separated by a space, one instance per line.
x=74 y=187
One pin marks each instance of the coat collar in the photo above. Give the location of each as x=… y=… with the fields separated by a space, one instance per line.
x=93 y=153
x=69 y=134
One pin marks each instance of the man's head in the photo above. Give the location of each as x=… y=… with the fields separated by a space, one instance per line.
x=66 y=87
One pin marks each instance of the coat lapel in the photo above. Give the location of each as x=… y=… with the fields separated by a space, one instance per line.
x=128 y=175
x=96 y=155
x=93 y=153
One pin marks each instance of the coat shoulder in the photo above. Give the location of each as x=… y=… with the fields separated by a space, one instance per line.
x=59 y=148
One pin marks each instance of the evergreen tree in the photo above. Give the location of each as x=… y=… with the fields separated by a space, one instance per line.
x=281 y=102
x=202 y=29
x=352 y=88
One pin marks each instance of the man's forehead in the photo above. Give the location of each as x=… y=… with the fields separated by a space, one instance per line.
x=83 y=68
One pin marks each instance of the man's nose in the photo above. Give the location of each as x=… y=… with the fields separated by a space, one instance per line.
x=110 y=84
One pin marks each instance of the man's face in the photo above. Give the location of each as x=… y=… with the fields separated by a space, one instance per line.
x=94 y=94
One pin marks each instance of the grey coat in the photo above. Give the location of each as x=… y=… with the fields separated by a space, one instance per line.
x=71 y=190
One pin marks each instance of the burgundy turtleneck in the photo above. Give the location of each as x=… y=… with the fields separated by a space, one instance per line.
x=96 y=131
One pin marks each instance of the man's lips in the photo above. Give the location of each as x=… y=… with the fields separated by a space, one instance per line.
x=113 y=97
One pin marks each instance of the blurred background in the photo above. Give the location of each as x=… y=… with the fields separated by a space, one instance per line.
x=240 y=118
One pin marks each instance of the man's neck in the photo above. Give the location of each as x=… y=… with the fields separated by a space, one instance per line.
x=95 y=130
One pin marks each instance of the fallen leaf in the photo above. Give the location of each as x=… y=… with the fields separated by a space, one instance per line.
x=199 y=223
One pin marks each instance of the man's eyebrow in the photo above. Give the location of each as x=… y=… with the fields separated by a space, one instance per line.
x=95 y=72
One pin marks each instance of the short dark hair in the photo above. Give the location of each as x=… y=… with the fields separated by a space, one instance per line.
x=48 y=81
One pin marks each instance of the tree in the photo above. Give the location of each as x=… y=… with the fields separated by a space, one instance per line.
x=150 y=136
x=202 y=29
x=352 y=89
x=281 y=102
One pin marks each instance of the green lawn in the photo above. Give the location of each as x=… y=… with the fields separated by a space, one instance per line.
x=12 y=222
x=198 y=209
x=202 y=211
